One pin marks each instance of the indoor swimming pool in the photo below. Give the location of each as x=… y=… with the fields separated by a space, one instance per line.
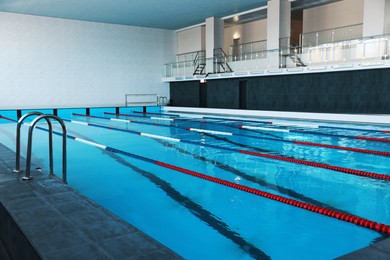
x=222 y=187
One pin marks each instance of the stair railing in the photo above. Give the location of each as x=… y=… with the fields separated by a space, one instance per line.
x=199 y=62
x=220 y=61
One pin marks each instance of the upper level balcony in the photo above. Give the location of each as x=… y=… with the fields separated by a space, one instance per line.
x=339 y=48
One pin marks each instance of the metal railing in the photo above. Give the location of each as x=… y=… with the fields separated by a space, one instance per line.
x=162 y=100
x=32 y=126
x=338 y=34
x=141 y=100
x=366 y=51
x=247 y=50
x=199 y=62
x=220 y=62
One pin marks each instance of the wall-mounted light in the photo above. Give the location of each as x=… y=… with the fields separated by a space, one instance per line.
x=236 y=36
x=202 y=81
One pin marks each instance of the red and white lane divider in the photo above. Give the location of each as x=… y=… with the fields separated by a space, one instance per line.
x=336 y=147
x=320 y=165
x=373 y=139
x=150 y=117
x=379 y=227
x=383 y=228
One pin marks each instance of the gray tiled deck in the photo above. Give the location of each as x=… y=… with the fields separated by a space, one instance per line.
x=60 y=223
x=377 y=251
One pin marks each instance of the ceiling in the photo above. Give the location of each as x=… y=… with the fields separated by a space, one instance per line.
x=165 y=14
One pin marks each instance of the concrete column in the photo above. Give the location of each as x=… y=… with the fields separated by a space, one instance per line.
x=278 y=27
x=278 y=22
x=214 y=39
x=376 y=17
x=387 y=17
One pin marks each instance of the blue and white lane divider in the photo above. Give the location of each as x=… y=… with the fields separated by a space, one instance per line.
x=379 y=227
x=264 y=128
x=250 y=136
x=139 y=116
x=295 y=142
x=124 y=130
x=148 y=123
x=274 y=157
x=303 y=125
x=154 y=113
x=369 y=139
x=208 y=131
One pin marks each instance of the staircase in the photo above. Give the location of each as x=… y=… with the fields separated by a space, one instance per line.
x=220 y=62
x=199 y=63
x=295 y=58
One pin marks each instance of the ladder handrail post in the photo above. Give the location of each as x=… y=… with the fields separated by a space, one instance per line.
x=28 y=158
x=18 y=127
x=47 y=117
x=51 y=174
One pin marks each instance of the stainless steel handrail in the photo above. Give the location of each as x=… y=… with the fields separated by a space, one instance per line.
x=29 y=145
x=162 y=100
x=18 y=127
x=141 y=102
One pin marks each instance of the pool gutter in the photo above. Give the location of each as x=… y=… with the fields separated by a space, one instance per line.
x=353 y=118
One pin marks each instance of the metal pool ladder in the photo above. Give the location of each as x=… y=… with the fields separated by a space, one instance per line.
x=39 y=117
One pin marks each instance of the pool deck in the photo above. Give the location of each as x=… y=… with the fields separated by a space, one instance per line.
x=377 y=251
x=46 y=219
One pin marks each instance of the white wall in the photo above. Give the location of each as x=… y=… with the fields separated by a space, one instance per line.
x=338 y=14
x=49 y=62
x=191 y=40
x=248 y=32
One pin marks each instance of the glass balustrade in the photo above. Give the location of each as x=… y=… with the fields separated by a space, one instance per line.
x=255 y=59
x=332 y=35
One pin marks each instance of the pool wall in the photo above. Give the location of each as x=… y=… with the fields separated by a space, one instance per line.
x=353 y=91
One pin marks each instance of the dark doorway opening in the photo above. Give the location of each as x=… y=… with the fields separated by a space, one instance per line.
x=203 y=94
x=243 y=94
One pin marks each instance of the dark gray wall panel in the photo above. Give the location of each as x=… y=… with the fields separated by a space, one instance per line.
x=359 y=91
x=223 y=93
x=185 y=94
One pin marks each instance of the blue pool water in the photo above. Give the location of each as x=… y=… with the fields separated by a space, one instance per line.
x=203 y=220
